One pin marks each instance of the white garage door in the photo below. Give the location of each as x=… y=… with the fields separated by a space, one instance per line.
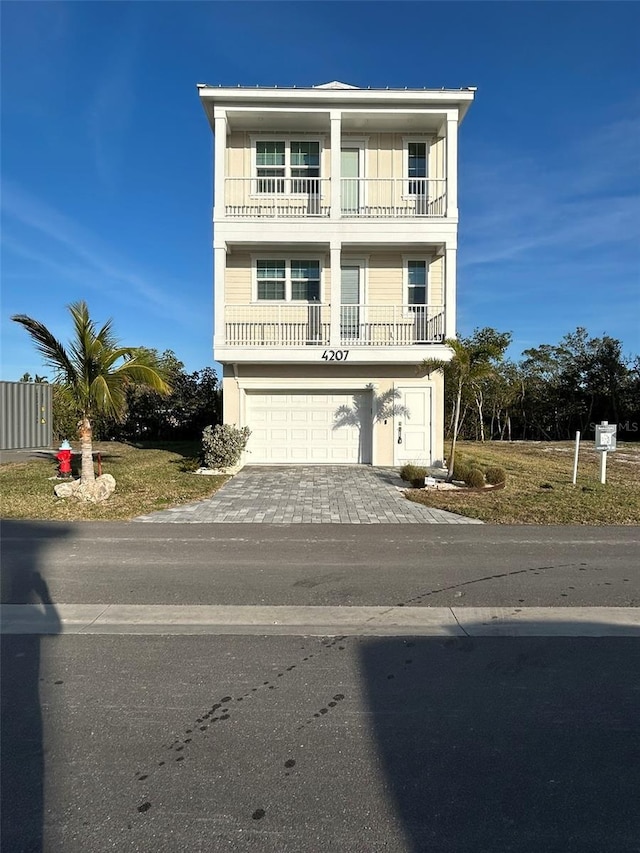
x=329 y=428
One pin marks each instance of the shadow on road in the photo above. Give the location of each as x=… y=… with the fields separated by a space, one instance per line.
x=509 y=744
x=21 y=736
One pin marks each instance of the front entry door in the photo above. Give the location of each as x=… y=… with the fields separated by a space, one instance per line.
x=412 y=422
x=349 y=303
x=350 y=185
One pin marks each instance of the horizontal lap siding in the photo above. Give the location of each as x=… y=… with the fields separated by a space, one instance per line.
x=385 y=279
x=238 y=279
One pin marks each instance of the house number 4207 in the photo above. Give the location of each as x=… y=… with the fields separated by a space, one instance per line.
x=335 y=355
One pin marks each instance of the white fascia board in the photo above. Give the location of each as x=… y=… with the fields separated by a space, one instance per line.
x=362 y=233
x=340 y=96
x=313 y=355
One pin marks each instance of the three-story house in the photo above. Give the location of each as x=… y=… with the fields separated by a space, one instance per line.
x=335 y=235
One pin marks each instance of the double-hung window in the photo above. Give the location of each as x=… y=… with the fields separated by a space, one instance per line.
x=287 y=166
x=417 y=168
x=288 y=280
x=416 y=282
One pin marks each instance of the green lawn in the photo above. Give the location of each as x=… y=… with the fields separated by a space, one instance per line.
x=147 y=479
x=539 y=489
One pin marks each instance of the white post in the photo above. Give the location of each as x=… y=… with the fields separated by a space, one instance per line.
x=220 y=149
x=452 y=164
x=449 y=292
x=603 y=466
x=336 y=149
x=575 y=458
x=336 y=293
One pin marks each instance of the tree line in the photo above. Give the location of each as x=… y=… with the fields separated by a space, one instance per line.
x=550 y=393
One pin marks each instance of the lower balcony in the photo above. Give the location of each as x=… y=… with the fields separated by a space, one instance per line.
x=309 y=324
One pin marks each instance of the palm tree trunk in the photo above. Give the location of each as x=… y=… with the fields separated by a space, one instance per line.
x=87 y=474
x=456 y=419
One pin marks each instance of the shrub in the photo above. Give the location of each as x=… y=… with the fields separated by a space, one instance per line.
x=223 y=444
x=474 y=478
x=412 y=472
x=495 y=476
x=460 y=471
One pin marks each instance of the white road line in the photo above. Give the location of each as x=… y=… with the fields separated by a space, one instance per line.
x=321 y=621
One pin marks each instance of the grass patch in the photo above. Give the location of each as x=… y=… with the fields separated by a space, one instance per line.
x=538 y=489
x=148 y=478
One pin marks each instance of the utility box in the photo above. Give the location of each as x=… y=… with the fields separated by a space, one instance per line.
x=606 y=436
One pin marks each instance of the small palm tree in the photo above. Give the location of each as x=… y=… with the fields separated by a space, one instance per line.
x=473 y=359
x=94 y=371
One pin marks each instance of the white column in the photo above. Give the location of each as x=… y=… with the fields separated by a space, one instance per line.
x=220 y=148
x=450 y=293
x=219 y=269
x=336 y=146
x=452 y=165
x=336 y=294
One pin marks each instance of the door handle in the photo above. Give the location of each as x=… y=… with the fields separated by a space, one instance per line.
x=399 y=433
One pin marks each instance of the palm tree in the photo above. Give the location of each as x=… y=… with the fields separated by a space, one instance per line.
x=473 y=359
x=94 y=371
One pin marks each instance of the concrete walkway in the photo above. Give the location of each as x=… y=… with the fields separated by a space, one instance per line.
x=314 y=494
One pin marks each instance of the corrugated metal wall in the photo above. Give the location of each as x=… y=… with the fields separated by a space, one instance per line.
x=25 y=415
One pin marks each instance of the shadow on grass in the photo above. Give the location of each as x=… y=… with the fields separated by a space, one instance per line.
x=23 y=581
x=523 y=744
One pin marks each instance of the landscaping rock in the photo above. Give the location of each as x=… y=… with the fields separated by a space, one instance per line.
x=95 y=492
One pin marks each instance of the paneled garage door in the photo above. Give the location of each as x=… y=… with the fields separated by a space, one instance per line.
x=328 y=428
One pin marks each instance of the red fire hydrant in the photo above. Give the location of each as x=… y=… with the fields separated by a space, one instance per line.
x=64 y=459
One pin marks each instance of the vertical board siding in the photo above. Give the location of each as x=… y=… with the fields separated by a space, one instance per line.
x=25 y=415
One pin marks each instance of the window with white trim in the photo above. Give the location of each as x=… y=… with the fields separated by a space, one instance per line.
x=288 y=280
x=416 y=167
x=416 y=282
x=287 y=166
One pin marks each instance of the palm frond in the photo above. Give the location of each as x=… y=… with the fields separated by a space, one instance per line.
x=52 y=351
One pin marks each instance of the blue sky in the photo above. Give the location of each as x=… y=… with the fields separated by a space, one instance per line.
x=106 y=154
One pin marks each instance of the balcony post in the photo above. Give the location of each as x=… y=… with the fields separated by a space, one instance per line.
x=452 y=164
x=450 y=293
x=336 y=293
x=219 y=269
x=336 y=146
x=220 y=146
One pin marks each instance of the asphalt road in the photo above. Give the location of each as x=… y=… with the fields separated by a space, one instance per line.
x=339 y=564
x=294 y=744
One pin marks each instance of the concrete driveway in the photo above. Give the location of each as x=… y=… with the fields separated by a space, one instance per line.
x=314 y=494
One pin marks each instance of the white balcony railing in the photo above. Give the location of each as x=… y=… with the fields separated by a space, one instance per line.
x=308 y=324
x=370 y=198
x=391 y=325
x=277 y=325
x=394 y=198
x=277 y=198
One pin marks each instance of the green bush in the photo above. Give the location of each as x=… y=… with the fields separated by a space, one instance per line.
x=460 y=471
x=475 y=478
x=495 y=476
x=412 y=472
x=222 y=445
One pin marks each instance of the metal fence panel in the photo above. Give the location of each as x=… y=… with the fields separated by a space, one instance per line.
x=25 y=415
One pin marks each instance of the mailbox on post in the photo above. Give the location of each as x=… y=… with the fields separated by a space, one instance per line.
x=605 y=443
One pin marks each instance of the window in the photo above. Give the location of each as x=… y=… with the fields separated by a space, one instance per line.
x=270 y=167
x=417 y=167
x=416 y=282
x=271 y=279
x=288 y=280
x=287 y=166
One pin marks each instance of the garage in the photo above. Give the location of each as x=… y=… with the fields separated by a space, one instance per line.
x=309 y=427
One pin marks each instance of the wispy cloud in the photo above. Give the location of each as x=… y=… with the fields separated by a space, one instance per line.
x=589 y=198
x=75 y=254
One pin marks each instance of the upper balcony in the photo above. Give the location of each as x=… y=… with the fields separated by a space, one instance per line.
x=360 y=198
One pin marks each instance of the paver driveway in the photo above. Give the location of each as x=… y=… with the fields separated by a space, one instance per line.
x=316 y=494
